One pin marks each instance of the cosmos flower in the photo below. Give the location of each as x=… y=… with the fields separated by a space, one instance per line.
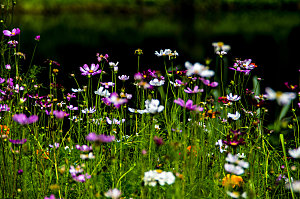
x=114 y=121
x=208 y=83
x=231 y=168
x=90 y=110
x=99 y=138
x=93 y=70
x=235 y=116
x=295 y=153
x=123 y=77
x=87 y=156
x=220 y=47
x=60 y=114
x=160 y=177
x=188 y=105
x=77 y=90
x=14 y=32
x=22 y=119
x=107 y=84
x=113 y=193
x=156 y=82
x=4 y=107
x=102 y=57
x=198 y=69
x=165 y=52
x=282 y=98
x=295 y=186
x=102 y=92
x=152 y=106
x=83 y=148
x=13 y=43
x=231 y=97
x=195 y=90
x=37 y=38
x=243 y=66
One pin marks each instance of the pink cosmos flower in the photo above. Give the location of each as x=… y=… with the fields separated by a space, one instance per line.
x=37 y=38
x=195 y=90
x=12 y=43
x=14 y=32
x=188 y=105
x=99 y=138
x=93 y=70
x=22 y=119
x=101 y=57
x=208 y=83
x=107 y=84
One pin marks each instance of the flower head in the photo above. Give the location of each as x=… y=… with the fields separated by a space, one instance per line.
x=282 y=98
x=100 y=138
x=113 y=193
x=198 y=69
x=14 y=32
x=17 y=141
x=22 y=119
x=295 y=153
x=235 y=116
x=93 y=70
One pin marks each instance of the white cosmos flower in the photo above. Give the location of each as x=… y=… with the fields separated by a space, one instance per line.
x=113 y=193
x=236 y=194
x=153 y=177
x=235 y=159
x=198 y=69
x=295 y=153
x=237 y=170
x=235 y=116
x=102 y=92
x=156 y=82
x=295 y=186
x=77 y=90
x=166 y=52
x=89 y=156
x=282 y=98
x=153 y=106
x=231 y=97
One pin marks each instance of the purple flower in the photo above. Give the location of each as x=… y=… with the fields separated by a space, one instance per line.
x=51 y=197
x=84 y=148
x=123 y=77
x=100 y=138
x=20 y=171
x=2 y=80
x=60 y=114
x=93 y=70
x=81 y=177
x=208 y=83
x=188 y=105
x=55 y=144
x=17 y=141
x=101 y=57
x=115 y=100
x=22 y=119
x=195 y=90
x=37 y=38
x=107 y=84
x=70 y=95
x=72 y=108
x=14 y=32
x=12 y=43
x=4 y=107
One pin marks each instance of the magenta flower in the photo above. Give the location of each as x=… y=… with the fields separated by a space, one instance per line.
x=14 y=32
x=51 y=197
x=60 y=114
x=84 y=148
x=2 y=80
x=12 y=43
x=81 y=177
x=93 y=70
x=188 y=105
x=115 y=100
x=22 y=119
x=107 y=84
x=4 y=107
x=101 y=57
x=208 y=83
x=243 y=66
x=56 y=145
x=17 y=141
x=195 y=90
x=37 y=38
x=99 y=138
x=70 y=95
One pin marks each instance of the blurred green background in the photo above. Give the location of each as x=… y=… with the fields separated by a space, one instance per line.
x=73 y=31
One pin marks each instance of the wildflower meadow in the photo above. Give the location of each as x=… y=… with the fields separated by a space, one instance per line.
x=194 y=130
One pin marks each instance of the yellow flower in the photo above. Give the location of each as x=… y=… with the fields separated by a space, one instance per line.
x=232 y=180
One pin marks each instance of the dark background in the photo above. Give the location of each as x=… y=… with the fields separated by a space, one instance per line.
x=72 y=32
